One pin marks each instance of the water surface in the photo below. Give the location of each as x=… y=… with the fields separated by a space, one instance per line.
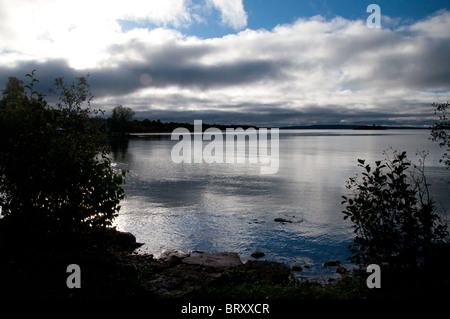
x=232 y=207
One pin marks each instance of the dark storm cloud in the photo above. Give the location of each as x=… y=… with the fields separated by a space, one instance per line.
x=126 y=79
x=205 y=77
x=424 y=68
x=166 y=66
x=46 y=72
x=177 y=64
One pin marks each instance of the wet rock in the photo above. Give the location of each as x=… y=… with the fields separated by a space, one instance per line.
x=256 y=221
x=282 y=220
x=257 y=254
x=126 y=241
x=166 y=254
x=225 y=259
x=331 y=263
x=173 y=261
x=296 y=268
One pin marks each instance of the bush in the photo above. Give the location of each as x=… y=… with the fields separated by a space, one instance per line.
x=440 y=130
x=394 y=218
x=55 y=170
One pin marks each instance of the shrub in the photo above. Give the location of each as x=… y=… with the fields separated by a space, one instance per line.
x=440 y=130
x=393 y=216
x=55 y=170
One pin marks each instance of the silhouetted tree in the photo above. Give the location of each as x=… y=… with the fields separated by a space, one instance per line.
x=120 y=119
x=440 y=130
x=55 y=170
x=13 y=94
x=394 y=218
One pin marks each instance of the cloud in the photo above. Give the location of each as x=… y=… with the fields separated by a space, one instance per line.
x=313 y=70
x=232 y=12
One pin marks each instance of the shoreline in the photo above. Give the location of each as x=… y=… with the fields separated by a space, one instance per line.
x=322 y=272
x=117 y=271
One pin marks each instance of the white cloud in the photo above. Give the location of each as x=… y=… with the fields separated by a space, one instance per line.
x=232 y=12
x=312 y=70
x=436 y=26
x=332 y=66
x=81 y=30
x=78 y=30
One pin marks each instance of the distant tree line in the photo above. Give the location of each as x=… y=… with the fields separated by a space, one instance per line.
x=156 y=126
x=121 y=122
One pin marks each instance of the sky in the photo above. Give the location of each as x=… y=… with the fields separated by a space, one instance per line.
x=262 y=62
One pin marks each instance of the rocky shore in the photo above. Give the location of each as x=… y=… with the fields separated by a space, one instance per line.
x=115 y=271
x=178 y=275
x=38 y=270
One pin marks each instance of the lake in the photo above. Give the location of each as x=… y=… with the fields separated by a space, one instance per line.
x=232 y=207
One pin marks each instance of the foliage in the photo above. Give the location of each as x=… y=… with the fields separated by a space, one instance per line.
x=440 y=130
x=393 y=216
x=55 y=170
x=13 y=94
x=119 y=122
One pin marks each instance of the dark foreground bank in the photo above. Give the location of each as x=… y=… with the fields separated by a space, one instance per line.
x=37 y=267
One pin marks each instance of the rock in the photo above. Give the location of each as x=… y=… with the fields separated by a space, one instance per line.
x=331 y=263
x=167 y=253
x=265 y=270
x=173 y=260
x=257 y=254
x=296 y=268
x=126 y=241
x=125 y=238
x=282 y=220
x=225 y=259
